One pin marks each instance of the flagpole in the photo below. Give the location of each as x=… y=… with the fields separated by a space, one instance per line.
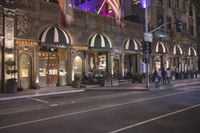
x=101 y=6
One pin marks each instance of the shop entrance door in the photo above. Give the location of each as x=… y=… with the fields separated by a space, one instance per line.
x=78 y=66
x=116 y=68
x=25 y=71
x=48 y=71
x=53 y=69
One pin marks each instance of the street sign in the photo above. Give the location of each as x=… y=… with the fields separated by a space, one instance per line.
x=148 y=37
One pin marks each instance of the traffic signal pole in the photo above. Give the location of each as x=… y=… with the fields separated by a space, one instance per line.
x=148 y=39
x=147 y=53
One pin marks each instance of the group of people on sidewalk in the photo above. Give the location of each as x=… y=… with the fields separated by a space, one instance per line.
x=162 y=75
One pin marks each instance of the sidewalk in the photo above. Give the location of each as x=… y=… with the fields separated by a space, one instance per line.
x=68 y=89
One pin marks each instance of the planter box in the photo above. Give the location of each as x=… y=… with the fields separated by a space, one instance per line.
x=173 y=77
x=11 y=86
x=76 y=84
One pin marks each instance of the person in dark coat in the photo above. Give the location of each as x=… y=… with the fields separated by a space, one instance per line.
x=164 y=74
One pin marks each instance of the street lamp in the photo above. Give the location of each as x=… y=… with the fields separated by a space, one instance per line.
x=147 y=37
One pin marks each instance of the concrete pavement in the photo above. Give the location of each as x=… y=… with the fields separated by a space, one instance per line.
x=68 y=89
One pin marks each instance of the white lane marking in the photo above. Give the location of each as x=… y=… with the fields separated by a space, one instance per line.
x=155 y=118
x=179 y=85
x=37 y=95
x=38 y=100
x=91 y=110
x=53 y=105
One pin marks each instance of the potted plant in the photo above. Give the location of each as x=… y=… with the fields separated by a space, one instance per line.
x=174 y=74
x=11 y=85
x=77 y=81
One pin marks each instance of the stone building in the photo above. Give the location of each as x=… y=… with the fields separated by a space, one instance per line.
x=48 y=54
x=176 y=50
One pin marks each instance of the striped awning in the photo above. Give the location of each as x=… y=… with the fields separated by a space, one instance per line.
x=54 y=37
x=132 y=45
x=161 y=48
x=192 y=51
x=99 y=41
x=177 y=50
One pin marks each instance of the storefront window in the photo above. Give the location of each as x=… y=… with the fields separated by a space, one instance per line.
x=98 y=63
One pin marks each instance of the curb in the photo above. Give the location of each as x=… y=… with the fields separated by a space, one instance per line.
x=116 y=89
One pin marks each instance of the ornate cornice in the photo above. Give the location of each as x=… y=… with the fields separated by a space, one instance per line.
x=1 y=21
x=9 y=12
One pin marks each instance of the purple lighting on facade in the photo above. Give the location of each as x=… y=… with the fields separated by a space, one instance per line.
x=145 y=3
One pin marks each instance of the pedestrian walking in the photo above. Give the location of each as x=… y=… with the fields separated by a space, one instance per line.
x=156 y=79
x=159 y=75
x=163 y=72
x=169 y=74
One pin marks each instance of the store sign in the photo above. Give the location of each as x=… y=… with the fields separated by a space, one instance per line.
x=161 y=34
x=80 y=47
x=9 y=32
x=55 y=45
x=26 y=42
x=148 y=37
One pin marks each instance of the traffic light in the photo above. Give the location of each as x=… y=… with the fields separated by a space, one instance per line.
x=144 y=60
x=147 y=47
x=178 y=26
x=148 y=44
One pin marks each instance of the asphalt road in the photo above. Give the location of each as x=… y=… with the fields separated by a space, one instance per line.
x=164 y=111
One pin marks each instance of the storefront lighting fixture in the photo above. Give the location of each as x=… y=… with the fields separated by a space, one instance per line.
x=10 y=56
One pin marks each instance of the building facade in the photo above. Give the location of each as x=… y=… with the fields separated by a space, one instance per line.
x=177 y=50
x=93 y=48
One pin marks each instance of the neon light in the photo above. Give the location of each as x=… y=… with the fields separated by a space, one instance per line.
x=145 y=3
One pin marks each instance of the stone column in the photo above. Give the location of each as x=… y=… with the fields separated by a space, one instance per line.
x=110 y=63
x=86 y=64
x=9 y=36
x=122 y=64
x=36 y=67
x=70 y=63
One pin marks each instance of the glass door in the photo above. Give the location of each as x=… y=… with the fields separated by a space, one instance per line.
x=53 y=69
x=43 y=61
x=25 y=71
x=48 y=67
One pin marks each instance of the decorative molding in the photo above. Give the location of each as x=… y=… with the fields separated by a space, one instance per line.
x=27 y=26
x=1 y=21
x=9 y=32
x=9 y=12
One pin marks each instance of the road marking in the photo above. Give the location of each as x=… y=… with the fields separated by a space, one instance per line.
x=38 y=100
x=53 y=105
x=91 y=110
x=154 y=119
x=39 y=95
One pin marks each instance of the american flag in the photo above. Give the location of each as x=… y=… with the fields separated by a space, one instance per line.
x=66 y=15
x=116 y=6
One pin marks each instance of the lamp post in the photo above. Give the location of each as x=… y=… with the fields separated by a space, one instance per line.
x=147 y=53
x=147 y=37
